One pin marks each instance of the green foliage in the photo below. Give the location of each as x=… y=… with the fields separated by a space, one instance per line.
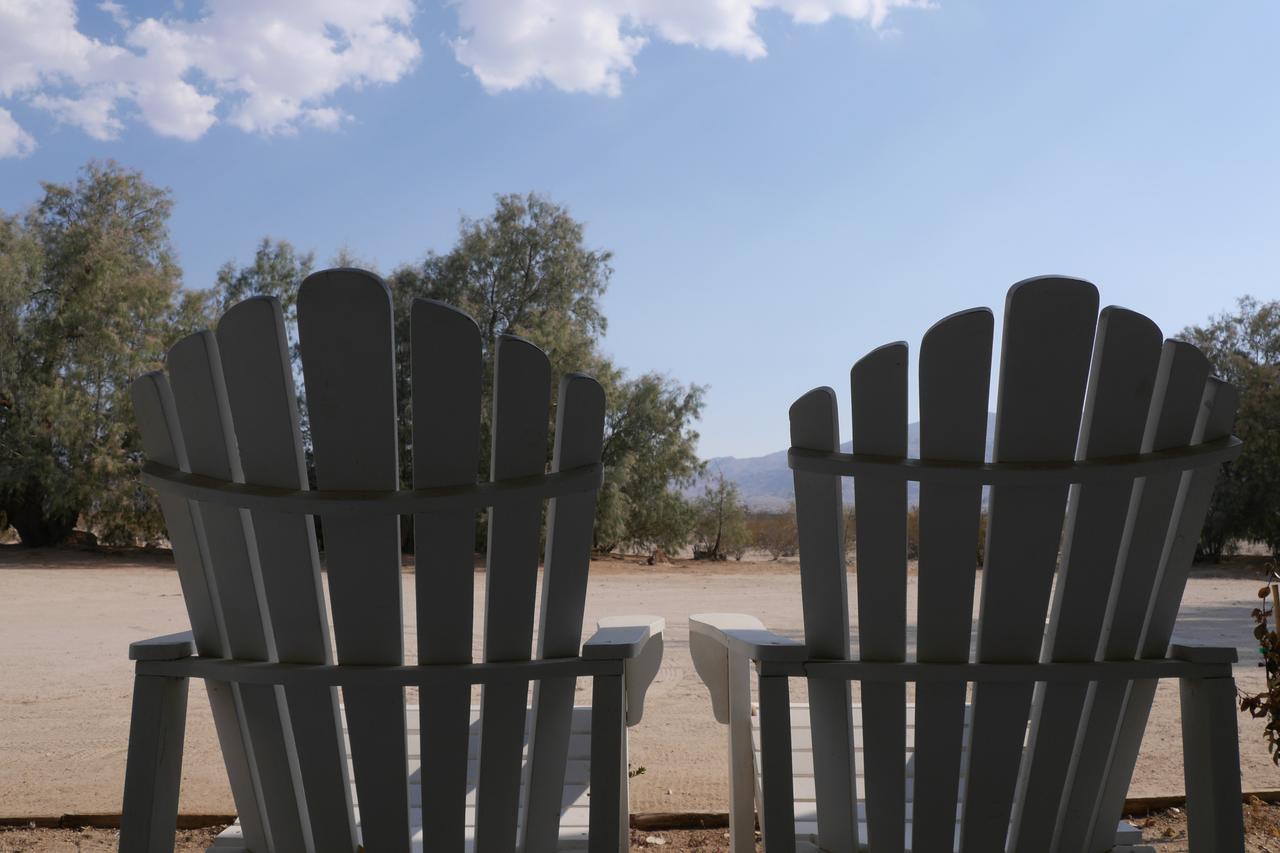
x=524 y=270
x=721 y=529
x=1244 y=348
x=277 y=270
x=648 y=456
x=775 y=532
x=87 y=286
x=90 y=299
x=1266 y=704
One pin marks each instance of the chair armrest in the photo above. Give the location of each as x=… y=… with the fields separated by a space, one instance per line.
x=1190 y=652
x=168 y=647
x=637 y=642
x=622 y=637
x=746 y=636
x=719 y=641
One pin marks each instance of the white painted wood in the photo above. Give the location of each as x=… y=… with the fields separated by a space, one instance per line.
x=254 y=350
x=955 y=375
x=446 y=448
x=1132 y=474
x=1170 y=422
x=578 y=441
x=803 y=788
x=608 y=815
x=1215 y=417
x=247 y=556
x=575 y=801
x=153 y=771
x=778 y=816
x=345 y=332
x=879 y=393
x=1211 y=764
x=1110 y=469
x=1126 y=357
x=1048 y=335
x=727 y=676
x=168 y=647
x=520 y=401
x=825 y=599
x=157 y=418
x=195 y=372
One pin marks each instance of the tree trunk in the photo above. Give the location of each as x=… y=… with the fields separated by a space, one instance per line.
x=36 y=526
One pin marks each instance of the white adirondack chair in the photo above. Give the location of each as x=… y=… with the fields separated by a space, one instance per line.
x=1107 y=446
x=222 y=438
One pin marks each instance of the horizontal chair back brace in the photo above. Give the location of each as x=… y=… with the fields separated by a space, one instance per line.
x=306 y=672
x=171 y=481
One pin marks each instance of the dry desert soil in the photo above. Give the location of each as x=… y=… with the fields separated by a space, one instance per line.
x=67 y=617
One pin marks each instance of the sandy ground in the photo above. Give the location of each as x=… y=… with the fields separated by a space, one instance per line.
x=66 y=619
x=1164 y=830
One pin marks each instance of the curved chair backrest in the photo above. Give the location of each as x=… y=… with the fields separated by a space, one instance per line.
x=1107 y=444
x=247 y=556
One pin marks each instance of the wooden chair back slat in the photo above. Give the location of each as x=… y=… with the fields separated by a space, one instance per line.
x=521 y=392
x=1175 y=404
x=254 y=349
x=1126 y=357
x=825 y=599
x=1048 y=337
x=195 y=370
x=345 y=332
x=162 y=440
x=446 y=446
x=570 y=521
x=955 y=378
x=879 y=395
x=1170 y=427
x=1217 y=416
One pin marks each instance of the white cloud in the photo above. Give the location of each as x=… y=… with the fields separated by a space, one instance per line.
x=274 y=66
x=589 y=45
x=264 y=67
x=14 y=141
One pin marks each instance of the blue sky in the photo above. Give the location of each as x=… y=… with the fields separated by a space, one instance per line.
x=773 y=217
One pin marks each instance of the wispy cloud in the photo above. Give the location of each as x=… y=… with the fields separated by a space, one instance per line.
x=274 y=66
x=14 y=141
x=264 y=67
x=590 y=45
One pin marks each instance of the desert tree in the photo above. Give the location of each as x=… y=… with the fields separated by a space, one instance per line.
x=525 y=269
x=775 y=532
x=88 y=282
x=1243 y=346
x=721 y=529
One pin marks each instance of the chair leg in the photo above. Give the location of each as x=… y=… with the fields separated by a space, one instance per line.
x=153 y=772
x=1211 y=765
x=778 y=821
x=607 y=829
x=742 y=774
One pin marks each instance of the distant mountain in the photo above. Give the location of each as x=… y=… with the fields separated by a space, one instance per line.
x=765 y=483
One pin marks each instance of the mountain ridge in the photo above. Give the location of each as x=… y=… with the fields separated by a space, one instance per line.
x=765 y=484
